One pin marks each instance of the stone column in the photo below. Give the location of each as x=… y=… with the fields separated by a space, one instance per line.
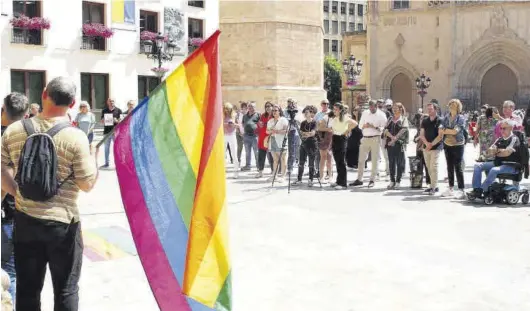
x=272 y=50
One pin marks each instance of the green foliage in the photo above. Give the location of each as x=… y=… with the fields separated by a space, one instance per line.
x=332 y=73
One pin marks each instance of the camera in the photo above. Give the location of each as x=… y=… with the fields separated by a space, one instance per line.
x=292 y=109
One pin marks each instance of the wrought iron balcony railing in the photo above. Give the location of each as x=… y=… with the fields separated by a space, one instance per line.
x=93 y=43
x=26 y=36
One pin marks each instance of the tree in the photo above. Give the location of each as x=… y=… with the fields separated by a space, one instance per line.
x=332 y=79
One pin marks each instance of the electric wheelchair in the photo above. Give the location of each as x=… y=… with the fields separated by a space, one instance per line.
x=502 y=192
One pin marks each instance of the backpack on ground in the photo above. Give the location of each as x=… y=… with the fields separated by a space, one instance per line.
x=38 y=164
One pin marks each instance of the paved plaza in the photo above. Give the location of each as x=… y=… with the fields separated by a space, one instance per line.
x=320 y=249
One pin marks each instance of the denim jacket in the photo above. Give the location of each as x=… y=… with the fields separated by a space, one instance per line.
x=458 y=124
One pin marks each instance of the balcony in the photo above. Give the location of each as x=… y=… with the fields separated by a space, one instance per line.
x=93 y=43
x=26 y=36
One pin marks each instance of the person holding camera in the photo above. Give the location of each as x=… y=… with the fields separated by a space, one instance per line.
x=308 y=148
x=292 y=136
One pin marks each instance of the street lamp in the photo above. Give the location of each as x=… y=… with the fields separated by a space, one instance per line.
x=352 y=70
x=159 y=49
x=423 y=83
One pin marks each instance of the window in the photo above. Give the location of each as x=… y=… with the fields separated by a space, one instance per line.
x=95 y=89
x=360 y=27
x=340 y=47
x=93 y=13
x=351 y=27
x=326 y=6
x=149 y=21
x=360 y=10
x=326 y=26
x=343 y=27
x=335 y=27
x=197 y=4
x=351 y=9
x=195 y=28
x=146 y=84
x=343 y=7
x=400 y=4
x=334 y=6
x=334 y=46
x=27 y=36
x=326 y=46
x=30 y=83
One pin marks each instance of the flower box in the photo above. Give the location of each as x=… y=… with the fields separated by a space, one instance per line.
x=97 y=30
x=196 y=42
x=33 y=23
x=149 y=35
x=160 y=71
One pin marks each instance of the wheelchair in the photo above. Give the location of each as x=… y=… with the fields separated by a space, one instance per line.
x=502 y=192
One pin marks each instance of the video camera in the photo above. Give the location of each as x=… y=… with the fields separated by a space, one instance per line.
x=292 y=109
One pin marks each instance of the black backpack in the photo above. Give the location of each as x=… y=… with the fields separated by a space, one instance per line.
x=37 y=167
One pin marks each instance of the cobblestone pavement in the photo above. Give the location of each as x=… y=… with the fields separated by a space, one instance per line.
x=319 y=249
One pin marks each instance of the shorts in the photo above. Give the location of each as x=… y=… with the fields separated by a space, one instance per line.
x=273 y=146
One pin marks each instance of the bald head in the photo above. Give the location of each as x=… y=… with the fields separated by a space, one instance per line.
x=61 y=91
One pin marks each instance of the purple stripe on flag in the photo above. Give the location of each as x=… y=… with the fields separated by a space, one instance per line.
x=164 y=284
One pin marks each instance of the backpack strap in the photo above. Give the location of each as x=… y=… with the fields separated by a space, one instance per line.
x=57 y=128
x=28 y=126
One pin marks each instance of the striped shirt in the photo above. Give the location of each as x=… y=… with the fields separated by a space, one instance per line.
x=73 y=154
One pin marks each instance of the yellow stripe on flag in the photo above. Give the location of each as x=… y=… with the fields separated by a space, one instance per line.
x=186 y=105
x=208 y=262
x=118 y=11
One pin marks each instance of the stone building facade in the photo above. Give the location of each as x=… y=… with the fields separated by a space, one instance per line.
x=272 y=50
x=478 y=51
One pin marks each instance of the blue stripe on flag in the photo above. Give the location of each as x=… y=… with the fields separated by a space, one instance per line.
x=129 y=11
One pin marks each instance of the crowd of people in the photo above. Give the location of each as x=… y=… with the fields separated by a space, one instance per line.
x=381 y=133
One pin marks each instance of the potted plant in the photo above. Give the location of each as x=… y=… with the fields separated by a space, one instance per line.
x=33 y=23
x=97 y=30
x=160 y=71
x=148 y=35
x=196 y=42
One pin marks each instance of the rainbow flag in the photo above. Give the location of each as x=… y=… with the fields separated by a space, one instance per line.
x=123 y=11
x=169 y=156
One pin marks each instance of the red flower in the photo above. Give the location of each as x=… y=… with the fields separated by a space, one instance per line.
x=34 y=23
x=196 y=41
x=97 y=30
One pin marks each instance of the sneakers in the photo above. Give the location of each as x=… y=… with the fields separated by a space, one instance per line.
x=333 y=185
x=245 y=168
x=280 y=180
x=356 y=183
x=259 y=174
x=460 y=194
x=391 y=186
x=339 y=187
x=371 y=184
x=296 y=183
x=236 y=175
x=396 y=186
x=310 y=183
x=431 y=191
x=448 y=193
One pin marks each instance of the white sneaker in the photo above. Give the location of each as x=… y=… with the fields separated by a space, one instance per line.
x=236 y=176
x=333 y=185
x=271 y=178
x=339 y=187
x=280 y=180
x=259 y=175
x=448 y=193
x=460 y=194
x=396 y=186
x=391 y=186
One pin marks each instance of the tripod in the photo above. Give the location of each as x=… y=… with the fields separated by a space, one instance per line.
x=292 y=124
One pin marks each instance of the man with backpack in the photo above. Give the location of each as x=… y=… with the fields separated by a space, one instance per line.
x=14 y=109
x=52 y=162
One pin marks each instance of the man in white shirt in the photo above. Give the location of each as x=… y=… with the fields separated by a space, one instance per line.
x=372 y=123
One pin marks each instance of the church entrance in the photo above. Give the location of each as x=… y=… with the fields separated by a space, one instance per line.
x=498 y=84
x=401 y=91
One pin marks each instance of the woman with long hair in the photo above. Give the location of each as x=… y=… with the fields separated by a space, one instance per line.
x=277 y=129
x=230 y=134
x=341 y=126
x=354 y=143
x=485 y=137
x=263 y=138
x=396 y=139
x=452 y=129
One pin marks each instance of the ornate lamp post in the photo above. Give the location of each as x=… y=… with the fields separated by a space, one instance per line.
x=159 y=50
x=423 y=83
x=352 y=70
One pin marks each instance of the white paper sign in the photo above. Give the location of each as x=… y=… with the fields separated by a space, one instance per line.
x=109 y=119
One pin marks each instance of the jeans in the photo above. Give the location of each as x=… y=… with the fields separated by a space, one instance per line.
x=317 y=163
x=44 y=242
x=107 y=149
x=8 y=256
x=396 y=161
x=294 y=146
x=454 y=155
x=239 y=147
x=339 y=153
x=251 y=144
x=492 y=172
x=262 y=154
x=308 y=151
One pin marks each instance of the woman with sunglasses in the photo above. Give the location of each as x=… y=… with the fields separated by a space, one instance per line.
x=277 y=129
x=341 y=126
x=396 y=138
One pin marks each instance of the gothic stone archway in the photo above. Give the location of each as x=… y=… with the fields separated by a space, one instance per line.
x=498 y=84
x=401 y=90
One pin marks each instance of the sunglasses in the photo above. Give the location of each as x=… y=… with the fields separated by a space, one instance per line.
x=275 y=110
x=504 y=128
